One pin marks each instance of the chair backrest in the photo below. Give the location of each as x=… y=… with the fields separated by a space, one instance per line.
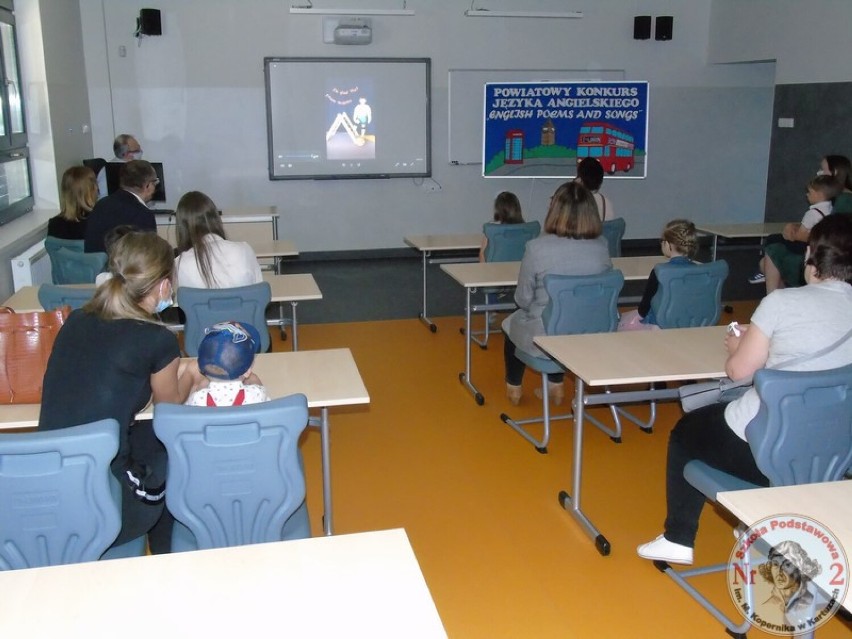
x=613 y=231
x=51 y=296
x=75 y=267
x=803 y=430
x=582 y=303
x=689 y=294
x=59 y=502
x=96 y=164
x=52 y=245
x=235 y=475
x=207 y=306
x=507 y=242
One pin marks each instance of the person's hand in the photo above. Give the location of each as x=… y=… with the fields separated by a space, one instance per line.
x=789 y=232
x=252 y=380
x=732 y=342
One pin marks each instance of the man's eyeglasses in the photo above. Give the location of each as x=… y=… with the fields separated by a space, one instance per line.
x=155 y=181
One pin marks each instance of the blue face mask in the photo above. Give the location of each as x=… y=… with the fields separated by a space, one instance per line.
x=163 y=304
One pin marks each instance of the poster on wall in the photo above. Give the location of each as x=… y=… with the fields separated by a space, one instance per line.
x=543 y=129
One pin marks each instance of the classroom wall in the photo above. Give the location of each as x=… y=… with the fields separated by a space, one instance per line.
x=811 y=45
x=194 y=97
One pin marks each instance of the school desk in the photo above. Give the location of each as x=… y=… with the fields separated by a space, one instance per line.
x=361 y=585
x=290 y=289
x=631 y=357
x=428 y=244
x=829 y=503
x=757 y=229
x=478 y=275
x=328 y=378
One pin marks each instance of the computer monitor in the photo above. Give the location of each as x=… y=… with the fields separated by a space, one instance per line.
x=112 y=178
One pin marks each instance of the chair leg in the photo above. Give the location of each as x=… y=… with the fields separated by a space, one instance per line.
x=546 y=418
x=680 y=577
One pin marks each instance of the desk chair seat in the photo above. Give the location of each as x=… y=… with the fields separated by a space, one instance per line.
x=506 y=243
x=51 y=296
x=578 y=304
x=613 y=231
x=802 y=434
x=60 y=503
x=205 y=307
x=235 y=473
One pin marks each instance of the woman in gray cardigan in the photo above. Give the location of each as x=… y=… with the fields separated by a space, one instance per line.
x=570 y=245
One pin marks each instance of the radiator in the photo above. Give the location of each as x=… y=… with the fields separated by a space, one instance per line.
x=32 y=267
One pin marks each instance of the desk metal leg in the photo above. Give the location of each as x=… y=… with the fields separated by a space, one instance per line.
x=325 y=444
x=715 y=242
x=295 y=326
x=572 y=503
x=464 y=377
x=423 y=317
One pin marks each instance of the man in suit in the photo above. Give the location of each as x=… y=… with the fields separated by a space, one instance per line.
x=127 y=206
x=125 y=148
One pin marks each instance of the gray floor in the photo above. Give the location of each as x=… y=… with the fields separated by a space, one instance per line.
x=359 y=290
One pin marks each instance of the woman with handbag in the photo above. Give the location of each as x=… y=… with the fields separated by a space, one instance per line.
x=803 y=328
x=109 y=359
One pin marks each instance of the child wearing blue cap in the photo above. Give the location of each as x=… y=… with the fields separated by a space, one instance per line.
x=225 y=358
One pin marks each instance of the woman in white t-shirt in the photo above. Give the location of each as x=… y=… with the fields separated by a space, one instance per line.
x=206 y=259
x=788 y=324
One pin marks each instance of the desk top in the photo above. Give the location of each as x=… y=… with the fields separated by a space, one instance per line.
x=327 y=377
x=828 y=503
x=444 y=242
x=484 y=274
x=361 y=585
x=756 y=229
x=274 y=248
x=634 y=357
x=238 y=214
x=285 y=288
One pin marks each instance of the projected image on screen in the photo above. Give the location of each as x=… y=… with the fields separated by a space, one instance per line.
x=351 y=135
x=348 y=117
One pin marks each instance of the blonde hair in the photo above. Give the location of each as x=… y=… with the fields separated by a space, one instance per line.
x=682 y=236
x=573 y=213
x=139 y=262
x=78 y=193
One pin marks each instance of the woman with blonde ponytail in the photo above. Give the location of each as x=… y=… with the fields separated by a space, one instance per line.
x=110 y=359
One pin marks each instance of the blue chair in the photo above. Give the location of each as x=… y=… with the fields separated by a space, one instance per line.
x=59 y=502
x=802 y=434
x=73 y=267
x=506 y=243
x=689 y=295
x=613 y=232
x=207 y=306
x=51 y=296
x=235 y=473
x=578 y=304
x=52 y=245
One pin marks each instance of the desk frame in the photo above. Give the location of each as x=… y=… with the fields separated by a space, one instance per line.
x=696 y=365
x=428 y=244
x=757 y=229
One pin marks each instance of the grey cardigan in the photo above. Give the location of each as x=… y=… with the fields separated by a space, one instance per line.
x=546 y=255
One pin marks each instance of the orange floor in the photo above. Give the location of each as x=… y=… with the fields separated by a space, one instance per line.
x=500 y=555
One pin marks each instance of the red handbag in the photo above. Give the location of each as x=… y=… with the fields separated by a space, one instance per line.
x=26 y=340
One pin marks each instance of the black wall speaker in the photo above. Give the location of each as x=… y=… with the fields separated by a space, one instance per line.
x=663 y=29
x=149 y=22
x=642 y=28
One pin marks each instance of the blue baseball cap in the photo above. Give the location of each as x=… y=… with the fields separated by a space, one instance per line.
x=227 y=350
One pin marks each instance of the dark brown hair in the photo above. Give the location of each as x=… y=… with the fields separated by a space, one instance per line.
x=507 y=209
x=196 y=217
x=830 y=243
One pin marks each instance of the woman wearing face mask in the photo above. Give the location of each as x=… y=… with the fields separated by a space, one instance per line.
x=110 y=358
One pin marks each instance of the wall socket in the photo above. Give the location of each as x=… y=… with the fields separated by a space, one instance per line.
x=786 y=123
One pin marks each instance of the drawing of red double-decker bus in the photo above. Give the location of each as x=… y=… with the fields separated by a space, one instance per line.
x=608 y=144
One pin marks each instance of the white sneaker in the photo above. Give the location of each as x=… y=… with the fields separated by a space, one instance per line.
x=661 y=549
x=757 y=278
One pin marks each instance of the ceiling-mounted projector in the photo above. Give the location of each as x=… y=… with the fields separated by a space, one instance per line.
x=353 y=34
